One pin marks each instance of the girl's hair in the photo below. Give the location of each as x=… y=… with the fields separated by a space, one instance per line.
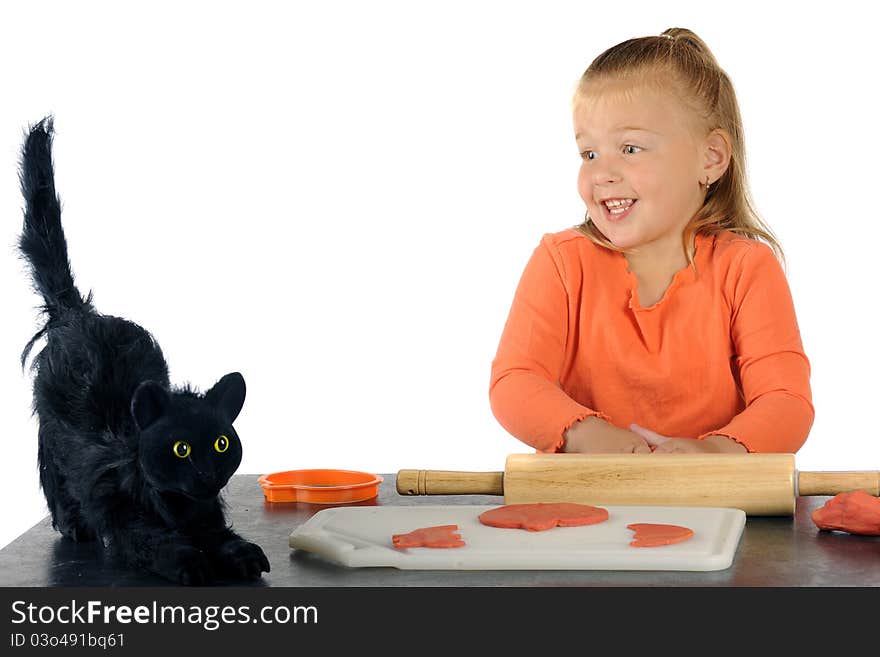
x=681 y=57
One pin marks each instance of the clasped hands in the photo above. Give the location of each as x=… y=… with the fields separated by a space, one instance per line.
x=593 y=435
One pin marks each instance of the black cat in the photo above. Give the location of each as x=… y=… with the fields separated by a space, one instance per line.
x=123 y=457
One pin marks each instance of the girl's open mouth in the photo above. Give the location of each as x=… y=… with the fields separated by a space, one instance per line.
x=618 y=209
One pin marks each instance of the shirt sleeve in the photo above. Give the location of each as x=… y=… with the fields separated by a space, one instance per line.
x=773 y=370
x=524 y=390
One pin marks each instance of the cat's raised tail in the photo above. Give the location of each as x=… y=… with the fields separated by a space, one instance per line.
x=42 y=242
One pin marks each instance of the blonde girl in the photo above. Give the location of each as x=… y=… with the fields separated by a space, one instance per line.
x=663 y=322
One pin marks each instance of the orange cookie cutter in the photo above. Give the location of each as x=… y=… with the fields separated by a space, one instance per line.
x=320 y=486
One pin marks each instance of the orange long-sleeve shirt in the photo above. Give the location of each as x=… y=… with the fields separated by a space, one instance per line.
x=720 y=353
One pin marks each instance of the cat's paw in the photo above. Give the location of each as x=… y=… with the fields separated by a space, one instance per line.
x=186 y=565
x=242 y=558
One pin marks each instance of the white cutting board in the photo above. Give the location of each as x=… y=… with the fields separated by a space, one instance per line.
x=361 y=536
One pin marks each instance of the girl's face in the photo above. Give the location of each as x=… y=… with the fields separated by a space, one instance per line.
x=641 y=163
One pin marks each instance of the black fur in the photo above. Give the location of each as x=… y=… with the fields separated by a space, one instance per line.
x=112 y=465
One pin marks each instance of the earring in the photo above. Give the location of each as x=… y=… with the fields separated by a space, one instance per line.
x=707 y=183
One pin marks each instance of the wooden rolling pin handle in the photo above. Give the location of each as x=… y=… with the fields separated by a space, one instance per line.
x=832 y=483
x=446 y=482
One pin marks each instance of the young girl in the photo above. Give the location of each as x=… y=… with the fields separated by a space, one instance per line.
x=664 y=321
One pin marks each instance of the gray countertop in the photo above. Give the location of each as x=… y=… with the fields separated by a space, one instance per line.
x=773 y=551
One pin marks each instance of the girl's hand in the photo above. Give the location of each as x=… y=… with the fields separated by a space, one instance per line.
x=593 y=435
x=710 y=444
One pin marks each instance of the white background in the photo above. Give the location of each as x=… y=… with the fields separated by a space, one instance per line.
x=337 y=199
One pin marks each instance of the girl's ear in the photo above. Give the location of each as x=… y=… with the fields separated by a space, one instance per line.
x=148 y=404
x=716 y=155
x=227 y=396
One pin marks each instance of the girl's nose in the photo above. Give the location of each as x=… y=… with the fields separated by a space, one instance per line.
x=605 y=173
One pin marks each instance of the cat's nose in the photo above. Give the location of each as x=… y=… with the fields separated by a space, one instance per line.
x=206 y=478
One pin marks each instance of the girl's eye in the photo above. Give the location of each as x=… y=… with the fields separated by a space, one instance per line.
x=181 y=449
x=221 y=444
x=588 y=155
x=629 y=149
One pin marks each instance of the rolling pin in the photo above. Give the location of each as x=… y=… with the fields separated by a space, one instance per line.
x=759 y=484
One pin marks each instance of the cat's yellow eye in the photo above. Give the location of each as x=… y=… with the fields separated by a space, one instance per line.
x=181 y=449
x=221 y=444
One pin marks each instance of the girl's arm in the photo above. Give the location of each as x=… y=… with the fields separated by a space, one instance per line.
x=524 y=391
x=773 y=370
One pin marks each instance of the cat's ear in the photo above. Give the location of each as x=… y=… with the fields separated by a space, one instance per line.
x=227 y=396
x=149 y=402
